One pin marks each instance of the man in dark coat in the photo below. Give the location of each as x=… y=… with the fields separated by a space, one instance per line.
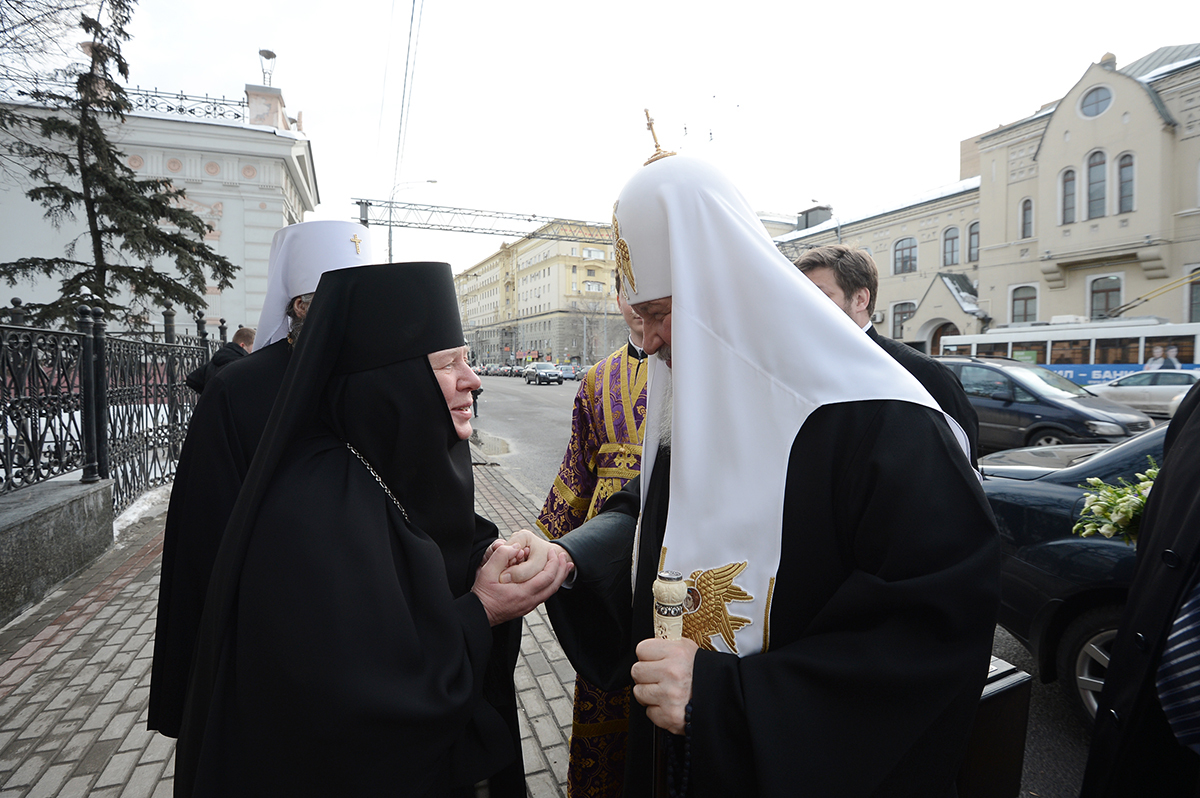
x=841 y=560
x=850 y=278
x=1134 y=750
x=241 y=345
x=223 y=435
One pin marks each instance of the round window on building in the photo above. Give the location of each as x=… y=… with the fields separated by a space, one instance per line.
x=1096 y=101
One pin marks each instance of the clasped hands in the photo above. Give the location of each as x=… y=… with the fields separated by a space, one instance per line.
x=662 y=675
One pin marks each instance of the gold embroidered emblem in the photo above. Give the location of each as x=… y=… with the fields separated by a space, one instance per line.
x=356 y=241
x=705 y=613
x=622 y=249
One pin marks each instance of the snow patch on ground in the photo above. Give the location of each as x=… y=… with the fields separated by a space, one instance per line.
x=149 y=504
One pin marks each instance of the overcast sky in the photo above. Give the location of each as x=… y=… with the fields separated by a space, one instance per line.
x=535 y=106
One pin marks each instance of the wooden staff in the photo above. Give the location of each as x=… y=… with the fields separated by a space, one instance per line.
x=669 y=593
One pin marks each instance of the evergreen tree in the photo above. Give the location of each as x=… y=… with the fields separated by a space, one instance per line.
x=130 y=221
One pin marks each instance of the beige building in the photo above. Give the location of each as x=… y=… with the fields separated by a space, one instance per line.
x=1087 y=209
x=539 y=299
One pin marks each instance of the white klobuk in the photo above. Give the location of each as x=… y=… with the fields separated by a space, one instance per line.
x=300 y=254
x=756 y=348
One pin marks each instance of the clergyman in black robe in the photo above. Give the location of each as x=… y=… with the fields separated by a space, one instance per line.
x=346 y=633
x=842 y=561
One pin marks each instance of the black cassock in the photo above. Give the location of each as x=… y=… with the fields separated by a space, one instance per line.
x=881 y=620
x=226 y=427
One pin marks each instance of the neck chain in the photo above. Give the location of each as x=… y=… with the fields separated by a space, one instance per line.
x=383 y=485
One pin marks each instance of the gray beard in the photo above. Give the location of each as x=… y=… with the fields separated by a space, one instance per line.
x=664 y=387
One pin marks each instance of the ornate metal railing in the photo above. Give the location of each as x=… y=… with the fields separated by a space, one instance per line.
x=124 y=417
x=187 y=105
x=43 y=403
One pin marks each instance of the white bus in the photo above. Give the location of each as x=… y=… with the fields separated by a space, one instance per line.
x=1088 y=353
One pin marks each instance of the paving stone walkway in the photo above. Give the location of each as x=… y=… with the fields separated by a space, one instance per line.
x=75 y=674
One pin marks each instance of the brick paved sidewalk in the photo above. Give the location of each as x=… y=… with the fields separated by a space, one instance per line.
x=75 y=675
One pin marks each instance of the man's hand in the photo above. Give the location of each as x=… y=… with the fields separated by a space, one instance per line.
x=504 y=601
x=533 y=552
x=662 y=679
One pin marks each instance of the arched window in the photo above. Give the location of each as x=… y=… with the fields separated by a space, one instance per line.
x=1106 y=295
x=973 y=242
x=1024 y=304
x=901 y=312
x=1125 y=184
x=1097 y=188
x=1027 y=219
x=950 y=247
x=904 y=256
x=1194 y=304
x=1068 y=197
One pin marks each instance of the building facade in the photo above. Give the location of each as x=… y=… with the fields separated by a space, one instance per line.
x=539 y=299
x=1088 y=209
x=247 y=170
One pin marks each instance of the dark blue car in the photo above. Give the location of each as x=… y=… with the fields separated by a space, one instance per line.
x=1062 y=595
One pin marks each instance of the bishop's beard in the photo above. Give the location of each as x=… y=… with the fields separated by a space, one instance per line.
x=664 y=387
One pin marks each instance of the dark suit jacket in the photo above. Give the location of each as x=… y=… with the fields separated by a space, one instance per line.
x=1134 y=753
x=941 y=383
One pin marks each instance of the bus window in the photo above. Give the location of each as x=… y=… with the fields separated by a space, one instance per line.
x=1183 y=347
x=1029 y=351
x=956 y=349
x=1071 y=352
x=1116 y=350
x=994 y=350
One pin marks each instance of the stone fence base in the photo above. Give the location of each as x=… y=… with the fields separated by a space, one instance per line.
x=49 y=532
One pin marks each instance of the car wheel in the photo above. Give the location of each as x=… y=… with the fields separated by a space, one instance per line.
x=1045 y=438
x=1083 y=654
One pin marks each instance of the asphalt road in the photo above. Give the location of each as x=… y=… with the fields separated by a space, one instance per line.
x=526 y=429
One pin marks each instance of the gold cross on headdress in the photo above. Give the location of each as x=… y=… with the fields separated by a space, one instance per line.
x=356 y=241
x=659 y=152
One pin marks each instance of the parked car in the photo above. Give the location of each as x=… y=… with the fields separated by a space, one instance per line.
x=1156 y=393
x=543 y=372
x=1020 y=404
x=1062 y=595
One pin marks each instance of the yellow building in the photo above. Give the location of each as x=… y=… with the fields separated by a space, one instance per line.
x=539 y=299
x=1087 y=209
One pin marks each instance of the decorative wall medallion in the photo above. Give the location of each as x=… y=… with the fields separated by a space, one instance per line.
x=213 y=168
x=249 y=172
x=174 y=165
x=262 y=206
x=136 y=162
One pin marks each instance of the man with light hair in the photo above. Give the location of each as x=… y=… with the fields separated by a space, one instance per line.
x=840 y=557
x=226 y=427
x=850 y=279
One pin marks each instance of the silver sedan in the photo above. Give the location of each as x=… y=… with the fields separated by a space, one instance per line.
x=1156 y=393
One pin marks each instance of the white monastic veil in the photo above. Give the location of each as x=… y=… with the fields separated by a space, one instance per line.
x=756 y=348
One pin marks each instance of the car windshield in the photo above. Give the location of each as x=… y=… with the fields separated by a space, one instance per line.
x=1046 y=382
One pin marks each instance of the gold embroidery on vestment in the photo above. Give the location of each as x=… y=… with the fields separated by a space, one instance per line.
x=707 y=614
x=662 y=559
x=767 y=615
x=622 y=252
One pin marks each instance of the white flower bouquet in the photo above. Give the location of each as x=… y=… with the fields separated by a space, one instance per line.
x=1112 y=510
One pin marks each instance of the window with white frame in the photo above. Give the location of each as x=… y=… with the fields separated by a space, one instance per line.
x=1097 y=185
x=1068 y=197
x=1027 y=219
x=1194 y=295
x=1104 y=295
x=950 y=247
x=1125 y=184
x=901 y=312
x=593 y=285
x=1024 y=304
x=973 y=242
x=904 y=256
x=590 y=253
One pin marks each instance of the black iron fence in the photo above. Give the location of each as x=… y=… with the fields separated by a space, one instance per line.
x=105 y=405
